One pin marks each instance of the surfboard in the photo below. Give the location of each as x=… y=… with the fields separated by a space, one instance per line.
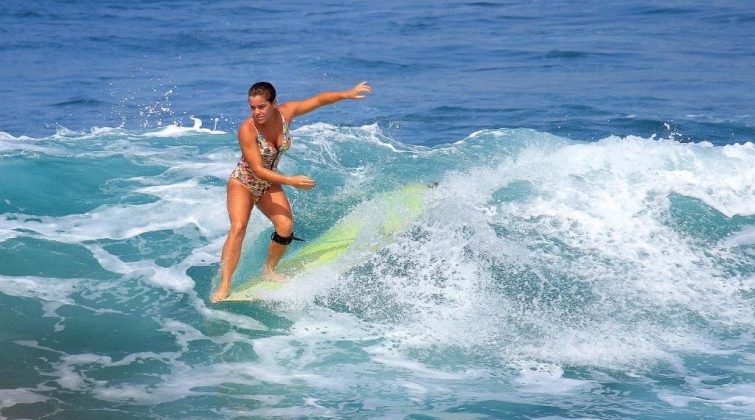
x=369 y=226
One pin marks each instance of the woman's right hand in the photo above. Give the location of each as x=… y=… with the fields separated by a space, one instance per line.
x=302 y=182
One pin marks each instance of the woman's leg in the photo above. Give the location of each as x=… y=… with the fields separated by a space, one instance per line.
x=240 y=203
x=274 y=204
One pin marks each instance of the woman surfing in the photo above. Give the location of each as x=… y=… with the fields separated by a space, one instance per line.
x=263 y=138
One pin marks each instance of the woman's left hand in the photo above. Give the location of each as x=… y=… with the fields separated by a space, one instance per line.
x=359 y=91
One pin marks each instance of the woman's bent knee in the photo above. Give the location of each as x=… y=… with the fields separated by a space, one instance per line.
x=284 y=227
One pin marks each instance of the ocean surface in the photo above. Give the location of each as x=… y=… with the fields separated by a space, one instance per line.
x=588 y=251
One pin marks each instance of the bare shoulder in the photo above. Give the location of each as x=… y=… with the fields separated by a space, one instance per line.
x=246 y=129
x=287 y=109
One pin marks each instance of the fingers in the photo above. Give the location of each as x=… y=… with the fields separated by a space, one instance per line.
x=364 y=87
x=305 y=183
x=361 y=88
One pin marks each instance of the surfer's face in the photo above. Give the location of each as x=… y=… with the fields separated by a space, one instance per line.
x=262 y=110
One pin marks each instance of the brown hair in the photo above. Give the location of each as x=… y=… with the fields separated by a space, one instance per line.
x=265 y=89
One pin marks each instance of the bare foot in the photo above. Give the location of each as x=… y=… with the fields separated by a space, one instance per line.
x=220 y=294
x=271 y=275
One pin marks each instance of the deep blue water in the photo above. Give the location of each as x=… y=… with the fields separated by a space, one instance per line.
x=589 y=250
x=441 y=69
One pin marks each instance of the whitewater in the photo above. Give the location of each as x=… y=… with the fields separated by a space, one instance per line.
x=543 y=275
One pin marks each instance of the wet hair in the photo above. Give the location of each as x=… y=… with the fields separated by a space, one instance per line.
x=265 y=89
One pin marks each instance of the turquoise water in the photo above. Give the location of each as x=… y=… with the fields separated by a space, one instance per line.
x=588 y=251
x=552 y=278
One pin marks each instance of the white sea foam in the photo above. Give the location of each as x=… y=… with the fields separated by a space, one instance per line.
x=735 y=398
x=744 y=237
x=9 y=143
x=11 y=397
x=175 y=130
x=608 y=201
x=10 y=137
x=56 y=290
x=581 y=267
x=63 y=133
x=545 y=378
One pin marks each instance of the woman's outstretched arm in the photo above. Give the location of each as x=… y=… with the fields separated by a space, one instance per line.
x=297 y=108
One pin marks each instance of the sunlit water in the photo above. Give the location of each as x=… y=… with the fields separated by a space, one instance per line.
x=556 y=270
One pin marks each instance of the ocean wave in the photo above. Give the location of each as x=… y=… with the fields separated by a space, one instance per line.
x=534 y=255
x=520 y=219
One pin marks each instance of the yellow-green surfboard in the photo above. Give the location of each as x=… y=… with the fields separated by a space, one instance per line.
x=368 y=226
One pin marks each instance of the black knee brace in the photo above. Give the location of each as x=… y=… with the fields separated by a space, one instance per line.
x=284 y=240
